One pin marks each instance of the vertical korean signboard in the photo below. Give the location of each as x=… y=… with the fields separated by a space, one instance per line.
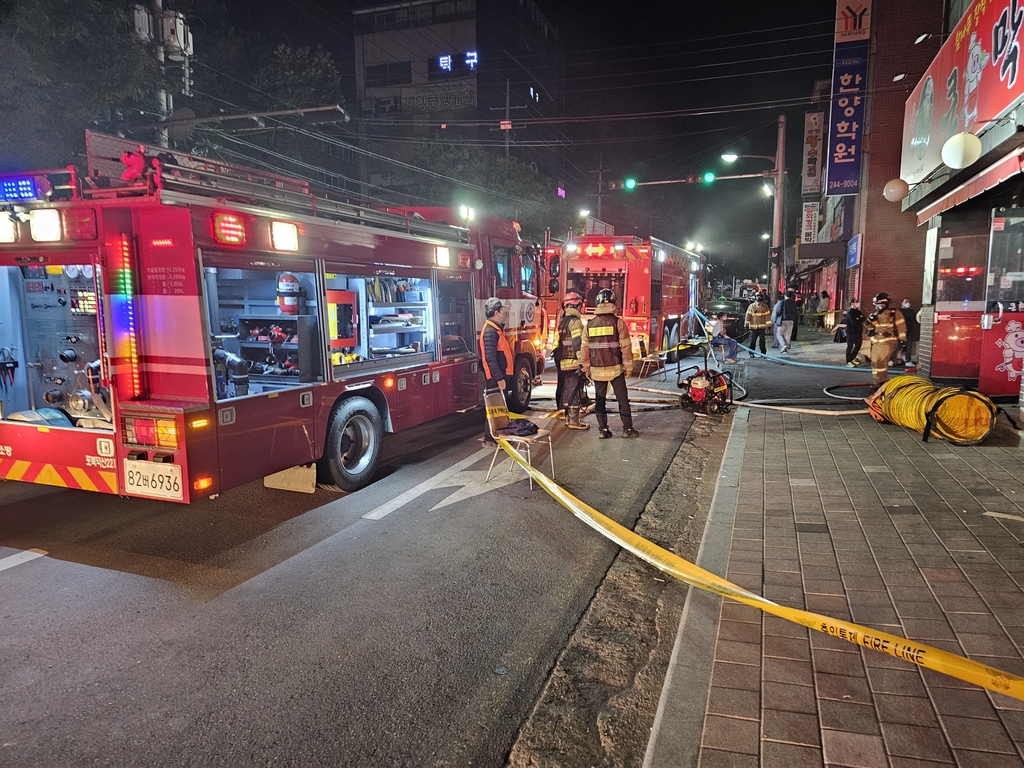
x=809 y=224
x=849 y=88
x=813 y=136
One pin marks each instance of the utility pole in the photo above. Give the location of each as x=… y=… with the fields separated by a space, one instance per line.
x=600 y=183
x=506 y=124
x=162 y=97
x=508 y=117
x=780 y=174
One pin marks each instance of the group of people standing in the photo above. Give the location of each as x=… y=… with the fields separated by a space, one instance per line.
x=601 y=351
x=892 y=335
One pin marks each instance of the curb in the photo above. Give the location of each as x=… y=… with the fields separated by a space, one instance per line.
x=683 y=702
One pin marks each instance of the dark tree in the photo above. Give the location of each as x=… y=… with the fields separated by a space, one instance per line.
x=67 y=65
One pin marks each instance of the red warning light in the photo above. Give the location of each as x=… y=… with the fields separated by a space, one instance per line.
x=228 y=229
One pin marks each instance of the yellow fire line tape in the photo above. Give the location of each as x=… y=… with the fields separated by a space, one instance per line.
x=901 y=648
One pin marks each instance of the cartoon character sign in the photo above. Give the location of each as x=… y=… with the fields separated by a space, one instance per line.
x=1013 y=350
x=976 y=60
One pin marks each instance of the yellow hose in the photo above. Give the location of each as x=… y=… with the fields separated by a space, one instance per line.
x=961 y=416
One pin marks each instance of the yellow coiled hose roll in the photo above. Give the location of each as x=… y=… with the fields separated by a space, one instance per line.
x=961 y=416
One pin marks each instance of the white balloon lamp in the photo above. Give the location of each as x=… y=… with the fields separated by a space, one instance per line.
x=895 y=190
x=961 y=150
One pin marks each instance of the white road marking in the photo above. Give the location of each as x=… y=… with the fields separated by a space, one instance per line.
x=987 y=514
x=21 y=557
x=472 y=482
x=426 y=485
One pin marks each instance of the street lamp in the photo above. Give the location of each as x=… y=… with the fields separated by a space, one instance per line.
x=765 y=236
x=584 y=213
x=767 y=190
x=776 y=173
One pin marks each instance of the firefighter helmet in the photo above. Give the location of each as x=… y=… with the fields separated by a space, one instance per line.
x=572 y=299
x=606 y=296
x=881 y=298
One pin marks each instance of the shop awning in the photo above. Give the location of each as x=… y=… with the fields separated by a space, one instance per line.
x=993 y=175
x=813 y=254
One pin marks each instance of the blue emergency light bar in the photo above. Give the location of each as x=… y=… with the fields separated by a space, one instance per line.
x=18 y=189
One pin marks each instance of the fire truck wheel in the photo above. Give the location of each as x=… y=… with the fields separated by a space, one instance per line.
x=517 y=394
x=353 y=444
x=673 y=341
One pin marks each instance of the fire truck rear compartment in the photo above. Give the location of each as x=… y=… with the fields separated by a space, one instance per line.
x=50 y=347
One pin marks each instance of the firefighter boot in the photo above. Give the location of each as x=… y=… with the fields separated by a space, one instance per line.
x=603 y=433
x=572 y=418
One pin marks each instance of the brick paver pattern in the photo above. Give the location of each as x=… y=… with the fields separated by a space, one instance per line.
x=866 y=522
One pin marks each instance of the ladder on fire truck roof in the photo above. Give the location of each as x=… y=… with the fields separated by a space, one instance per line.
x=169 y=173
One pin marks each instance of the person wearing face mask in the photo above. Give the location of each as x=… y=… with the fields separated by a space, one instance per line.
x=908 y=355
x=886 y=329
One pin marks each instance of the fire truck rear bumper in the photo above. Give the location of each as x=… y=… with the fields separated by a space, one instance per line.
x=66 y=458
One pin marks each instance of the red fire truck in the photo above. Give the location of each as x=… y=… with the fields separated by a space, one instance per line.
x=507 y=267
x=656 y=282
x=172 y=326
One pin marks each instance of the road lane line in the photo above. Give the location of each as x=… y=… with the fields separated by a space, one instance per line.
x=426 y=485
x=21 y=557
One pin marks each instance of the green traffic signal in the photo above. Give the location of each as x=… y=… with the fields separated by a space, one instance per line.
x=709 y=177
x=629 y=184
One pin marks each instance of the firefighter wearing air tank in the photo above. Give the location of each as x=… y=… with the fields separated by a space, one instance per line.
x=605 y=353
x=886 y=329
x=567 y=357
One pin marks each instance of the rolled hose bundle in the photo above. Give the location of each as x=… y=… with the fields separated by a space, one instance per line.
x=959 y=415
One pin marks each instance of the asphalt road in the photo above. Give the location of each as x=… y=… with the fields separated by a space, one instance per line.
x=265 y=627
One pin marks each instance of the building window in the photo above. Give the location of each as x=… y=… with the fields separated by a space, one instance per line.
x=383 y=75
x=451 y=8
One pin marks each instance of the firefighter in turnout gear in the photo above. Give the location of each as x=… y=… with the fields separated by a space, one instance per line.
x=571 y=380
x=758 y=319
x=605 y=353
x=886 y=328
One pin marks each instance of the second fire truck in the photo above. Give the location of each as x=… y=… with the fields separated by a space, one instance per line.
x=656 y=283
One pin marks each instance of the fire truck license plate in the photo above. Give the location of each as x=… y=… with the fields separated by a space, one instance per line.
x=160 y=481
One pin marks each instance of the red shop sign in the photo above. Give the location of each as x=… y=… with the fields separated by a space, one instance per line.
x=978 y=75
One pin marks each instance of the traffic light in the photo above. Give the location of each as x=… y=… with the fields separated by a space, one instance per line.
x=708 y=177
x=629 y=184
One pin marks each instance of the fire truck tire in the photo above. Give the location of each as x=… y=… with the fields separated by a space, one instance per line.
x=517 y=395
x=354 y=443
x=673 y=341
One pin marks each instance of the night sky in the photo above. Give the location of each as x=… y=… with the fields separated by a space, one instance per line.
x=627 y=58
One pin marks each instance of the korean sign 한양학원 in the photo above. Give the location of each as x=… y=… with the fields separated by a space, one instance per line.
x=849 y=86
x=846 y=120
x=975 y=79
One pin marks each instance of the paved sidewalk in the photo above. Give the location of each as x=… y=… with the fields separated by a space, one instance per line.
x=865 y=522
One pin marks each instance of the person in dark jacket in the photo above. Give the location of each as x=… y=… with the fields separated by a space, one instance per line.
x=495 y=353
x=853 y=322
x=789 y=314
x=907 y=354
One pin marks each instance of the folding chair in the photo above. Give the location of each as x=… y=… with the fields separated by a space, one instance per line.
x=497 y=418
x=649 y=361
